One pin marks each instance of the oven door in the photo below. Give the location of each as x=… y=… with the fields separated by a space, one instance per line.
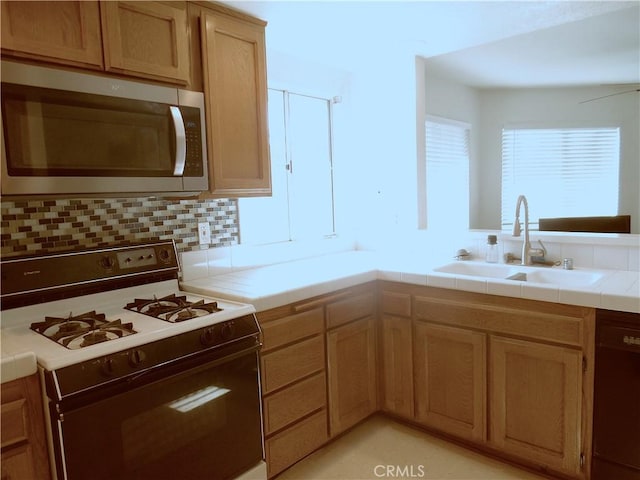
x=200 y=423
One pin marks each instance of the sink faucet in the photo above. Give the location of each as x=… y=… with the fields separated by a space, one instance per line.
x=527 y=252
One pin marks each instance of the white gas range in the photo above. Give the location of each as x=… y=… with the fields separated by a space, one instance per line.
x=141 y=380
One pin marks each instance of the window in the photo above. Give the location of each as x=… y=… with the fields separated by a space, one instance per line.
x=447 y=173
x=302 y=204
x=563 y=172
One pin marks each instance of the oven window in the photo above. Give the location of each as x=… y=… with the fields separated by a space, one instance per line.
x=57 y=133
x=202 y=424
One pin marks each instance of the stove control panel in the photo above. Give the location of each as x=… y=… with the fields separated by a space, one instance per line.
x=137 y=258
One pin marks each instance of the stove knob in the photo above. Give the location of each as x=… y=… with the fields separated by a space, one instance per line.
x=136 y=357
x=228 y=330
x=108 y=367
x=107 y=263
x=165 y=255
x=208 y=336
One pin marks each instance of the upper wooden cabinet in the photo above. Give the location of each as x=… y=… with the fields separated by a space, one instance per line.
x=150 y=39
x=235 y=87
x=142 y=39
x=60 y=32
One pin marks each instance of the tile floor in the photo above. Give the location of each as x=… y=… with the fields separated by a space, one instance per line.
x=383 y=449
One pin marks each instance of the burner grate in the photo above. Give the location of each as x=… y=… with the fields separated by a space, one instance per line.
x=172 y=308
x=82 y=330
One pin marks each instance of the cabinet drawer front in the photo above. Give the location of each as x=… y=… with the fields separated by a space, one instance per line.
x=290 y=404
x=540 y=325
x=285 y=366
x=14 y=422
x=395 y=303
x=291 y=328
x=349 y=309
x=291 y=445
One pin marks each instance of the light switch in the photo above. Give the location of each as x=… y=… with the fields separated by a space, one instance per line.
x=204 y=233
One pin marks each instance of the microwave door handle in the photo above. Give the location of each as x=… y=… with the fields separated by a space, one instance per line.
x=181 y=141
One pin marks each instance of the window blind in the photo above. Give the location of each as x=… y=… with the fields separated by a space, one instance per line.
x=563 y=172
x=447 y=172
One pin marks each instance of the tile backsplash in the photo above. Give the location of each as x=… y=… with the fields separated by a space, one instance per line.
x=36 y=226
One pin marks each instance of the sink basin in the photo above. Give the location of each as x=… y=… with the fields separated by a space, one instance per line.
x=568 y=278
x=492 y=270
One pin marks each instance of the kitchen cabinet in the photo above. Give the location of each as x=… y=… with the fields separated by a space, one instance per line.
x=450 y=373
x=24 y=448
x=147 y=39
x=512 y=376
x=235 y=86
x=535 y=401
x=351 y=361
x=293 y=383
x=59 y=32
x=396 y=371
x=141 y=39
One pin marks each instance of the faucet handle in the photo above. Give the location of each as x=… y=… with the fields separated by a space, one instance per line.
x=544 y=250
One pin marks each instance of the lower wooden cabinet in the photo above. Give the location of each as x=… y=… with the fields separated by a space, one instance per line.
x=351 y=359
x=450 y=366
x=24 y=449
x=396 y=373
x=535 y=394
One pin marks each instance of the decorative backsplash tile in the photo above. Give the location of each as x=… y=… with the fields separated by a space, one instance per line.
x=36 y=226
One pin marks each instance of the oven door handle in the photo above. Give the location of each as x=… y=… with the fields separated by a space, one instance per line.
x=181 y=141
x=196 y=367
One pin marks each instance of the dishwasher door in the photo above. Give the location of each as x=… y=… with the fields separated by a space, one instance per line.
x=616 y=419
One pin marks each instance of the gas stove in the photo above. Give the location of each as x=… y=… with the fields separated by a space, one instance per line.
x=72 y=307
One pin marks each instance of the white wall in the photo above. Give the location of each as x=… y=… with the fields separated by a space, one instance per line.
x=556 y=107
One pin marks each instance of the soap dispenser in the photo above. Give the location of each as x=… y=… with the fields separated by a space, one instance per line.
x=492 y=249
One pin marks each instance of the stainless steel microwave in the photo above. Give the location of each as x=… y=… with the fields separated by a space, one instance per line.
x=68 y=133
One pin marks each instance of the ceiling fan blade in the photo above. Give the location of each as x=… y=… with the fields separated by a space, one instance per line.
x=611 y=95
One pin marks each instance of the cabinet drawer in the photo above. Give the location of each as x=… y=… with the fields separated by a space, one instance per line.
x=395 y=303
x=349 y=309
x=290 y=404
x=285 y=366
x=291 y=445
x=291 y=328
x=14 y=422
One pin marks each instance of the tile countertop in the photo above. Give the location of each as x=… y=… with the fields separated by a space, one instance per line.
x=275 y=285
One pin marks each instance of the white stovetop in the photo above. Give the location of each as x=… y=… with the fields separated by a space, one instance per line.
x=22 y=347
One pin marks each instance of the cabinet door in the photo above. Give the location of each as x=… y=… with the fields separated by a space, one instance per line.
x=351 y=357
x=450 y=376
x=535 y=402
x=60 y=32
x=235 y=85
x=397 y=366
x=148 y=39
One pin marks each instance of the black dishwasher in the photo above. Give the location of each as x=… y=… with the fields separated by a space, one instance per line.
x=616 y=415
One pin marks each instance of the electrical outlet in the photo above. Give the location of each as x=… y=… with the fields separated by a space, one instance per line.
x=204 y=233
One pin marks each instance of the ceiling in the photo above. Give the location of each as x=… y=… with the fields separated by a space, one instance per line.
x=486 y=43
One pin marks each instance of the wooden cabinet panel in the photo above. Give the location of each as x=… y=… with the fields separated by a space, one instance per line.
x=351 y=370
x=285 y=366
x=297 y=401
x=349 y=309
x=397 y=366
x=396 y=303
x=450 y=379
x=235 y=85
x=289 y=446
x=535 y=399
x=24 y=448
x=288 y=329
x=150 y=39
x=60 y=32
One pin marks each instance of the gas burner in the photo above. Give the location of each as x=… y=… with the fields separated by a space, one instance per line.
x=83 y=330
x=172 y=308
